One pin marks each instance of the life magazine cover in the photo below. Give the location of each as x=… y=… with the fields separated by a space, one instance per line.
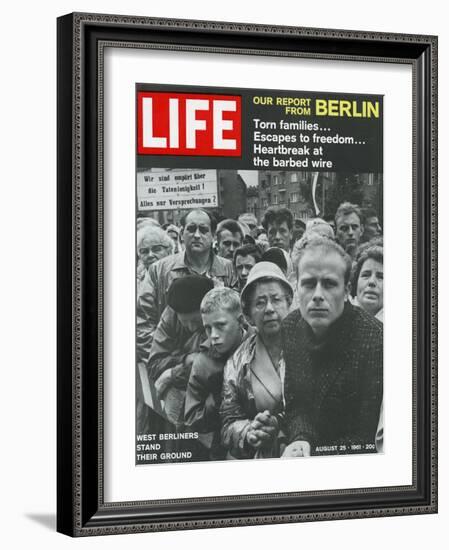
x=259 y=274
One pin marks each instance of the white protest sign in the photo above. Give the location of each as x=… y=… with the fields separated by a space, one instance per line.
x=175 y=190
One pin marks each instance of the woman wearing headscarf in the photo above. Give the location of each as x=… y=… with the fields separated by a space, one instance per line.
x=252 y=400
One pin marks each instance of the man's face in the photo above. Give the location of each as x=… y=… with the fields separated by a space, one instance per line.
x=197 y=233
x=269 y=306
x=321 y=288
x=191 y=321
x=349 y=231
x=251 y=222
x=370 y=286
x=372 y=228
x=243 y=265
x=223 y=328
x=280 y=235
x=228 y=242
x=152 y=249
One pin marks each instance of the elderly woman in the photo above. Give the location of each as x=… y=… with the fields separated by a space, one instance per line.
x=367 y=285
x=153 y=244
x=252 y=399
x=368 y=292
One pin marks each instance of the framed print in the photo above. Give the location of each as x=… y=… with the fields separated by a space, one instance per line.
x=229 y=351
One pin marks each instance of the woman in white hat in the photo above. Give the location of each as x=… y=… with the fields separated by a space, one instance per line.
x=252 y=404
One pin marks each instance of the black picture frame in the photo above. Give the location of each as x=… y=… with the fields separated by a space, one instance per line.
x=81 y=509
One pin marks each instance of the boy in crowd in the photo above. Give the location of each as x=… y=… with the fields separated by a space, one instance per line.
x=224 y=324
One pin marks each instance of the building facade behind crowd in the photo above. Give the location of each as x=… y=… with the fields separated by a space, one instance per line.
x=263 y=338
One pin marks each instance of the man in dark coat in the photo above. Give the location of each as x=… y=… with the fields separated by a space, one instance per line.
x=176 y=343
x=334 y=359
x=178 y=335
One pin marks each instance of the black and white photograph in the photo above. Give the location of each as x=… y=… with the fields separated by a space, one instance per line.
x=222 y=291
x=259 y=292
x=228 y=195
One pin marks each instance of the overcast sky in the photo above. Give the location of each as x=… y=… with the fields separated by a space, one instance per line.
x=249 y=176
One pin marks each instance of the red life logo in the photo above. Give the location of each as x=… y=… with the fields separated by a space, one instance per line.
x=188 y=124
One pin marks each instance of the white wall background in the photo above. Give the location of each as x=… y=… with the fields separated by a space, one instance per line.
x=28 y=280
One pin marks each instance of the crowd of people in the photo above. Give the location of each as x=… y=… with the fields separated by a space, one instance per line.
x=264 y=341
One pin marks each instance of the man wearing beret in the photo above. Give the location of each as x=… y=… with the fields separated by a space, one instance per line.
x=197 y=259
x=176 y=343
x=178 y=335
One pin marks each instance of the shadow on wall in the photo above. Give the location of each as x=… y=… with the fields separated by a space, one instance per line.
x=47 y=520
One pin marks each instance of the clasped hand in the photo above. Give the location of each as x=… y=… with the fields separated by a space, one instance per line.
x=263 y=429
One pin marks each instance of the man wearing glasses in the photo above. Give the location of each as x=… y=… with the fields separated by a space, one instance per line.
x=197 y=259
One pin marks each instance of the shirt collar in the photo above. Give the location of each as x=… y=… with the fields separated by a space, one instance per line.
x=217 y=265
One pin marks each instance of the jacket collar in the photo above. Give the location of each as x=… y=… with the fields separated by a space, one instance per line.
x=335 y=332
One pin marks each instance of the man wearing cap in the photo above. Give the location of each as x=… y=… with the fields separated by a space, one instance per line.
x=225 y=327
x=197 y=259
x=333 y=359
x=252 y=400
x=176 y=342
x=177 y=336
